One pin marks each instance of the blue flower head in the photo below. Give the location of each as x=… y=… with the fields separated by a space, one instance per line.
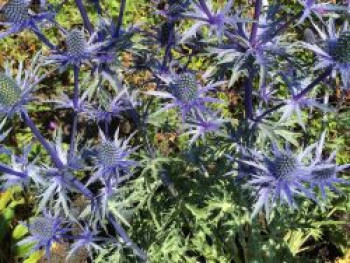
x=15 y=91
x=187 y=94
x=18 y=17
x=78 y=50
x=279 y=178
x=44 y=232
x=112 y=160
x=333 y=49
x=325 y=172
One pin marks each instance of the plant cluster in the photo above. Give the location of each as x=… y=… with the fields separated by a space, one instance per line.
x=197 y=156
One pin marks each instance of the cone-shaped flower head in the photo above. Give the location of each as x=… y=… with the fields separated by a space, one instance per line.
x=282 y=166
x=186 y=88
x=44 y=231
x=43 y=228
x=16 y=11
x=76 y=43
x=187 y=94
x=79 y=50
x=326 y=171
x=17 y=17
x=112 y=159
x=339 y=49
x=109 y=154
x=10 y=93
x=280 y=178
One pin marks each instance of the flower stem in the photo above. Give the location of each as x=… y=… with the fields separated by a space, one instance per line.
x=248 y=95
x=205 y=8
x=75 y=114
x=120 y=230
x=320 y=78
x=8 y=170
x=41 y=139
x=255 y=26
x=120 y=19
x=52 y=152
x=85 y=16
x=43 y=38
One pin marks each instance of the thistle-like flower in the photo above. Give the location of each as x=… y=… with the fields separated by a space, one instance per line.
x=78 y=50
x=112 y=160
x=279 y=178
x=15 y=91
x=325 y=172
x=44 y=232
x=18 y=17
x=333 y=49
x=186 y=94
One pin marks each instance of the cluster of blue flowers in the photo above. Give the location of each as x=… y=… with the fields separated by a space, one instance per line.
x=254 y=51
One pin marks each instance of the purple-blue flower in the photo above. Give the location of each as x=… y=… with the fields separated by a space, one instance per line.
x=186 y=94
x=78 y=50
x=112 y=159
x=44 y=231
x=18 y=18
x=279 y=178
x=333 y=50
x=325 y=172
x=15 y=89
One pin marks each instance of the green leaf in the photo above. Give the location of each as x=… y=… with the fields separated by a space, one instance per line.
x=34 y=257
x=19 y=232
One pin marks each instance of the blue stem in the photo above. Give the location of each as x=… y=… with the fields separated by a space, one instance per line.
x=255 y=26
x=84 y=16
x=248 y=95
x=205 y=8
x=43 y=38
x=52 y=152
x=120 y=19
x=8 y=170
x=122 y=233
x=320 y=78
x=41 y=139
x=76 y=110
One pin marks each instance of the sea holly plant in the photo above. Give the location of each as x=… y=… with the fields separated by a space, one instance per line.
x=156 y=154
